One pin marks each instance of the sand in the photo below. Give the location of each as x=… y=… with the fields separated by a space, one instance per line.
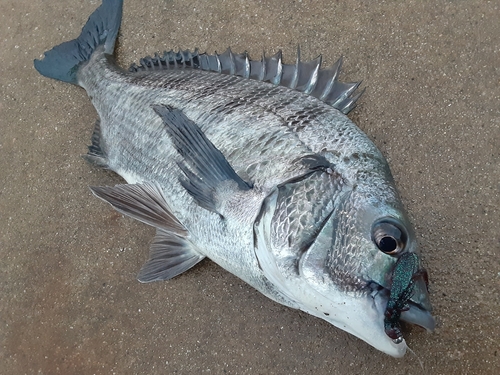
x=69 y=300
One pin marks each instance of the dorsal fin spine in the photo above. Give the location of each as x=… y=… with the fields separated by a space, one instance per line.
x=313 y=80
x=180 y=57
x=203 y=61
x=353 y=101
x=219 y=67
x=232 y=69
x=346 y=91
x=247 y=66
x=347 y=100
x=279 y=69
x=306 y=77
x=262 y=72
x=296 y=73
x=176 y=60
x=335 y=69
x=191 y=60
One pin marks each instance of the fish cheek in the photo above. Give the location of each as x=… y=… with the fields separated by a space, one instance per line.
x=354 y=260
x=330 y=263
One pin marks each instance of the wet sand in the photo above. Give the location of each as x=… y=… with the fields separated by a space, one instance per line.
x=69 y=300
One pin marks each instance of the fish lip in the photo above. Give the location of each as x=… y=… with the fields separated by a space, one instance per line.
x=420 y=309
x=418 y=314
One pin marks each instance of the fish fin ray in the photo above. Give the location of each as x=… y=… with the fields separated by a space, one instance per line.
x=274 y=68
x=144 y=202
x=62 y=61
x=169 y=256
x=303 y=76
x=204 y=166
x=96 y=155
x=228 y=63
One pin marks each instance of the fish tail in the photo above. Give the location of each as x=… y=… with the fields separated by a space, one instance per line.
x=63 y=61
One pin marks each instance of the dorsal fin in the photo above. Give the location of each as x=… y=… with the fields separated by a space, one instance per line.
x=306 y=77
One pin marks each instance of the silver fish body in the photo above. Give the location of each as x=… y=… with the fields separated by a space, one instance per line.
x=273 y=184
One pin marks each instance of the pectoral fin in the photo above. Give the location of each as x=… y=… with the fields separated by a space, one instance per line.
x=207 y=171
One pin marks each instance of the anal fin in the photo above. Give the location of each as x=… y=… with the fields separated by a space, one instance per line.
x=96 y=155
x=170 y=255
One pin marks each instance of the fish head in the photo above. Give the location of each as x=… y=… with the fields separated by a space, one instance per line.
x=343 y=269
x=356 y=253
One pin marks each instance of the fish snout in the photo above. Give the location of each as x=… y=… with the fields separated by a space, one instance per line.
x=420 y=294
x=420 y=304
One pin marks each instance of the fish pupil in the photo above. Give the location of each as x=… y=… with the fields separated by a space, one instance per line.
x=387 y=244
x=389 y=235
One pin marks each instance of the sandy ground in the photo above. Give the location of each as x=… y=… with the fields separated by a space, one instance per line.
x=69 y=301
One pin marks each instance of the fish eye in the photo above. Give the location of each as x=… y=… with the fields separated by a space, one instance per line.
x=389 y=237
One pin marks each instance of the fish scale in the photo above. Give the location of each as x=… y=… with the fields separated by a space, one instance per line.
x=210 y=120
x=301 y=210
x=255 y=165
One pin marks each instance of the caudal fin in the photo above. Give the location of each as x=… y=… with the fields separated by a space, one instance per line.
x=62 y=61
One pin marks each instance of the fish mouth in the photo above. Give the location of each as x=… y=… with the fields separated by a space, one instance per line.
x=420 y=309
x=419 y=306
x=416 y=315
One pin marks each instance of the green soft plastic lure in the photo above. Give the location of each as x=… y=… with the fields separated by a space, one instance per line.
x=403 y=283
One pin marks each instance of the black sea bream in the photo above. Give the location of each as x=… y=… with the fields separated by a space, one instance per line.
x=255 y=165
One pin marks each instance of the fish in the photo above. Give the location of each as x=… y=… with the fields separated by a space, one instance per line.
x=255 y=165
